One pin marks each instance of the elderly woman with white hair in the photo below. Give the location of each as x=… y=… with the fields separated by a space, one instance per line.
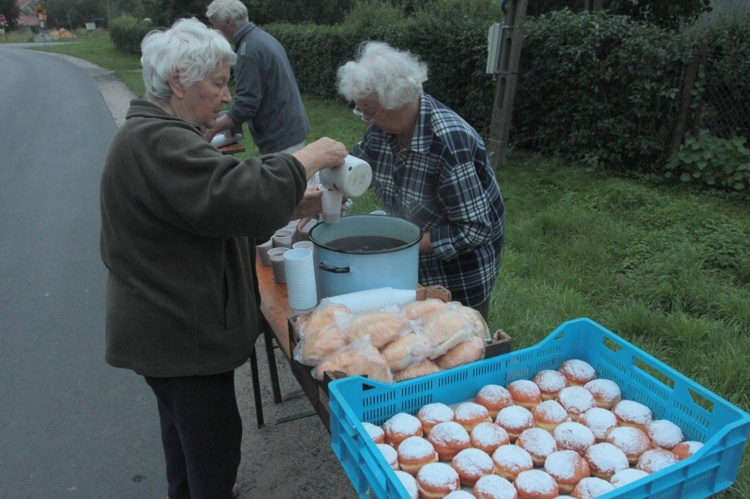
x=178 y=221
x=430 y=167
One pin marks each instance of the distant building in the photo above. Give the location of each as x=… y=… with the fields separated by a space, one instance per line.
x=28 y=16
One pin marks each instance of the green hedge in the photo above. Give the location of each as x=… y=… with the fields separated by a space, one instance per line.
x=593 y=87
x=126 y=33
x=599 y=89
x=456 y=58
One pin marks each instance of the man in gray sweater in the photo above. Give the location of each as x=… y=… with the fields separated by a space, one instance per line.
x=266 y=95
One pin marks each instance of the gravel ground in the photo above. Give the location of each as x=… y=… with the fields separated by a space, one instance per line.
x=293 y=459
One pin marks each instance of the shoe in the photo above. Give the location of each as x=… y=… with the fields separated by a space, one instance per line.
x=236 y=490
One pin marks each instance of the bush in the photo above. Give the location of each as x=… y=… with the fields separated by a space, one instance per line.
x=726 y=92
x=126 y=34
x=598 y=89
x=456 y=57
x=713 y=162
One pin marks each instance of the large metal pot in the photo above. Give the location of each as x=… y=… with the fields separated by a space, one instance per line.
x=365 y=252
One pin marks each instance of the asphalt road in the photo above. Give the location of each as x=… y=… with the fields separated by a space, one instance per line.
x=70 y=425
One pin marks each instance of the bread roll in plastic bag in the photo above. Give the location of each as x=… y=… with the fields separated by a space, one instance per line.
x=406 y=351
x=470 y=350
x=359 y=357
x=381 y=326
x=479 y=325
x=421 y=309
x=321 y=316
x=446 y=329
x=422 y=369
x=319 y=344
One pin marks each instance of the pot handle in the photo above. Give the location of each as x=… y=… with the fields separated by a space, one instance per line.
x=334 y=270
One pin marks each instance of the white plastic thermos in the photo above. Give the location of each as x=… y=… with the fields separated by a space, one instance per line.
x=351 y=179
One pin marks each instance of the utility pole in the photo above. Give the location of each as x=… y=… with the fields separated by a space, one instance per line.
x=506 y=81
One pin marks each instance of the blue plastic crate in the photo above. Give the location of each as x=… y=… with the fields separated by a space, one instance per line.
x=702 y=415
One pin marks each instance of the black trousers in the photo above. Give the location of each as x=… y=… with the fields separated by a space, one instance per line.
x=201 y=432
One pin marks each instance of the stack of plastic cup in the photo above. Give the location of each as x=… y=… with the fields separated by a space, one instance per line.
x=300 y=279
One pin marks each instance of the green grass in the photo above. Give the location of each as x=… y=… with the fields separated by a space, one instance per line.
x=666 y=268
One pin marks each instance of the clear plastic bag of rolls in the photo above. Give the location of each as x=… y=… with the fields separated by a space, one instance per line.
x=321 y=316
x=359 y=357
x=318 y=344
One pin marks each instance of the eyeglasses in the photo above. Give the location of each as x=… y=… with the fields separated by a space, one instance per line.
x=358 y=112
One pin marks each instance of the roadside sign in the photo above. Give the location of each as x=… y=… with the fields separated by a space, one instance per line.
x=2 y=19
x=39 y=9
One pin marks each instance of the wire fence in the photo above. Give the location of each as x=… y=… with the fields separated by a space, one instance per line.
x=724 y=108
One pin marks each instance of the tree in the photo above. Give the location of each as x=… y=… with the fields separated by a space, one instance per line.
x=668 y=14
x=10 y=10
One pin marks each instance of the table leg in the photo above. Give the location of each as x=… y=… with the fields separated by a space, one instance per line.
x=272 y=369
x=256 y=388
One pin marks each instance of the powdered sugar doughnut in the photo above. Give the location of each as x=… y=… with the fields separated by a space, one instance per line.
x=375 y=432
x=568 y=468
x=494 y=398
x=525 y=393
x=536 y=484
x=470 y=414
x=409 y=483
x=415 y=452
x=550 y=382
x=488 y=436
x=632 y=441
x=591 y=487
x=686 y=449
x=494 y=487
x=632 y=413
x=537 y=442
x=471 y=465
x=664 y=433
x=605 y=391
x=576 y=400
x=431 y=414
x=549 y=414
x=577 y=371
x=390 y=455
x=626 y=476
x=573 y=436
x=654 y=460
x=605 y=460
x=515 y=419
x=400 y=427
x=600 y=421
x=437 y=480
x=449 y=438
x=460 y=494
x=510 y=460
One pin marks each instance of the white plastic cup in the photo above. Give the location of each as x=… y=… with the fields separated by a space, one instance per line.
x=304 y=245
x=331 y=206
x=282 y=238
x=300 y=279
x=262 y=252
x=276 y=255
